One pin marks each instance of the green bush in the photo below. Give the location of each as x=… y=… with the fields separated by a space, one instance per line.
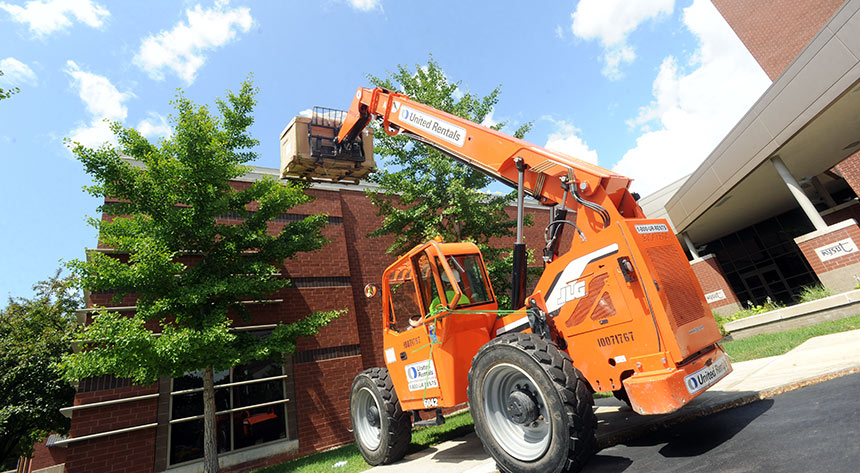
x=813 y=293
x=751 y=310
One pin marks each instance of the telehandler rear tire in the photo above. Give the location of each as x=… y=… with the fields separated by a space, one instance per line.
x=382 y=430
x=533 y=411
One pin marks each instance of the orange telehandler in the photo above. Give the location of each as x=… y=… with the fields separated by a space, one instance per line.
x=620 y=310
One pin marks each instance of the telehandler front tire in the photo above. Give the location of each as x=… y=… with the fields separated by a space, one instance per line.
x=382 y=430
x=533 y=410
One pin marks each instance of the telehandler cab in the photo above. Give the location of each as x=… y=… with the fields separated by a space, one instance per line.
x=620 y=310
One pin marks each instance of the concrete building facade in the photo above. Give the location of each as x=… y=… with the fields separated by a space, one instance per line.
x=773 y=207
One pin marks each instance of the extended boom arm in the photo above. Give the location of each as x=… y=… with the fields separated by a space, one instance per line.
x=549 y=175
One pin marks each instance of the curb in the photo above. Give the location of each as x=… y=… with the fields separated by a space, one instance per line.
x=694 y=413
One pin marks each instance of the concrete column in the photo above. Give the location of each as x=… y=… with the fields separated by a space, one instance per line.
x=798 y=194
x=690 y=246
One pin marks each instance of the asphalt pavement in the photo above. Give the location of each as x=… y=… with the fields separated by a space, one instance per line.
x=808 y=430
x=815 y=361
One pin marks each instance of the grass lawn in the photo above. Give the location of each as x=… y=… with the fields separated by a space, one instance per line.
x=456 y=426
x=772 y=344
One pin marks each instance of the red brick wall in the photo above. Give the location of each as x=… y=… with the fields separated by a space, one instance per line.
x=132 y=452
x=820 y=267
x=850 y=170
x=775 y=31
x=367 y=260
x=322 y=387
x=44 y=457
x=710 y=275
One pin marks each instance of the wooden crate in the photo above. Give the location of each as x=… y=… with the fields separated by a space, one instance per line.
x=297 y=160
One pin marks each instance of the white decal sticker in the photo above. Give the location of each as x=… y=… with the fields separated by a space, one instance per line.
x=432 y=402
x=572 y=272
x=523 y=322
x=439 y=128
x=420 y=375
x=707 y=376
x=836 y=250
x=571 y=291
x=715 y=296
x=652 y=228
x=620 y=359
x=389 y=355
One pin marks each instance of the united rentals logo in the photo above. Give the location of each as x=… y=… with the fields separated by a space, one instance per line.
x=706 y=376
x=436 y=127
x=421 y=375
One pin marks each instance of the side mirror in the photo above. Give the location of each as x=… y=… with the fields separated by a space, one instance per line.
x=370 y=290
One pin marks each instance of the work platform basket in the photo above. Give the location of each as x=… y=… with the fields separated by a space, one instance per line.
x=308 y=150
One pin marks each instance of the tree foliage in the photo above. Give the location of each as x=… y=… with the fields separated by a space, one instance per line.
x=425 y=193
x=189 y=272
x=6 y=93
x=34 y=334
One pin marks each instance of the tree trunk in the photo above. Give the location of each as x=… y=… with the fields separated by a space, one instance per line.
x=210 y=429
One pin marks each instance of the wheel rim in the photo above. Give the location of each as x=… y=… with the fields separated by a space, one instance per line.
x=523 y=442
x=367 y=425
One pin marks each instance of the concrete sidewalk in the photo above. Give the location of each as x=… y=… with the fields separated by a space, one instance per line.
x=816 y=360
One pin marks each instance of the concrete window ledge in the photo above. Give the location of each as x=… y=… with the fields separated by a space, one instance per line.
x=241 y=456
x=835 y=307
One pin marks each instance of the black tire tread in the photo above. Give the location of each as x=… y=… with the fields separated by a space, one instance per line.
x=399 y=422
x=571 y=386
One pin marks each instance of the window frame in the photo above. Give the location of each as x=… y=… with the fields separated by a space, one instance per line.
x=229 y=385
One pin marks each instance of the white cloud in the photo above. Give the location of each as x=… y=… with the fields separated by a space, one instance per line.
x=612 y=21
x=566 y=140
x=183 y=49
x=307 y=113
x=692 y=111
x=99 y=95
x=489 y=121
x=559 y=32
x=16 y=72
x=365 y=5
x=48 y=16
x=93 y=135
x=154 y=126
x=103 y=102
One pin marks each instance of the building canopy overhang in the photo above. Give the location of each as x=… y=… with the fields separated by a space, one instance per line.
x=809 y=117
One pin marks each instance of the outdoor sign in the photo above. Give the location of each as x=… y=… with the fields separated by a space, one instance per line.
x=715 y=296
x=836 y=250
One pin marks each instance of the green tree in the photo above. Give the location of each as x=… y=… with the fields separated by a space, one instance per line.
x=169 y=208
x=425 y=193
x=6 y=93
x=34 y=334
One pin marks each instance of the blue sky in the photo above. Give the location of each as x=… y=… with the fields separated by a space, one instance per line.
x=644 y=87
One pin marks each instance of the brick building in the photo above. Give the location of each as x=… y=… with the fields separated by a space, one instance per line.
x=774 y=207
x=799 y=142
x=272 y=413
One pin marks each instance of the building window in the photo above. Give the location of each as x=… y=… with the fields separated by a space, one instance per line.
x=250 y=403
x=762 y=261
